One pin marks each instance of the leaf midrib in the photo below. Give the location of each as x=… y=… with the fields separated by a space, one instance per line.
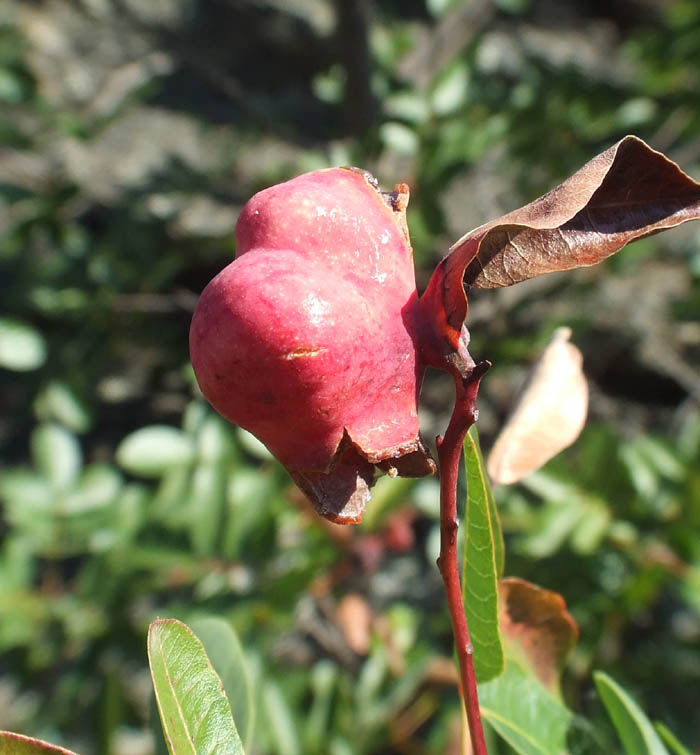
x=171 y=686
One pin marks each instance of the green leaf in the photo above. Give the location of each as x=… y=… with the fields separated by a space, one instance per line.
x=58 y=401
x=22 y=348
x=524 y=713
x=399 y=138
x=451 y=90
x=678 y=748
x=280 y=720
x=226 y=655
x=480 y=571
x=193 y=708
x=97 y=488
x=18 y=744
x=23 y=490
x=634 y=728
x=207 y=504
x=151 y=451
x=323 y=680
x=499 y=546
x=57 y=455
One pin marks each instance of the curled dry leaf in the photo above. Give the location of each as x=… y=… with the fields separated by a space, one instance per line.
x=538 y=631
x=548 y=416
x=625 y=193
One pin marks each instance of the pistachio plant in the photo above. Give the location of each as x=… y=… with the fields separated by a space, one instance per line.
x=316 y=340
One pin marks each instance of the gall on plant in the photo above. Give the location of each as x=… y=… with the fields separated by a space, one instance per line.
x=310 y=339
x=315 y=339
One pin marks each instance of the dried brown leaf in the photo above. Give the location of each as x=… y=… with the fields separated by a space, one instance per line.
x=355 y=619
x=548 y=416
x=625 y=193
x=538 y=631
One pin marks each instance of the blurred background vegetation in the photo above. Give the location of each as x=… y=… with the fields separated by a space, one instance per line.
x=131 y=133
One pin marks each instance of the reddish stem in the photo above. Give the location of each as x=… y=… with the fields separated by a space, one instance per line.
x=449 y=453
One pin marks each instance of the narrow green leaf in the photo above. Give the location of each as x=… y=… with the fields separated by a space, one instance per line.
x=480 y=570
x=207 y=503
x=18 y=744
x=524 y=713
x=677 y=747
x=151 y=451
x=634 y=728
x=193 y=708
x=226 y=655
x=280 y=720
x=323 y=679
x=499 y=546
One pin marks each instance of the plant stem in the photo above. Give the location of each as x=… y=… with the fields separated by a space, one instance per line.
x=449 y=453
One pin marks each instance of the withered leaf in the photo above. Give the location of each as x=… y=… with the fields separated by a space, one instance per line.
x=625 y=193
x=355 y=619
x=548 y=416
x=538 y=631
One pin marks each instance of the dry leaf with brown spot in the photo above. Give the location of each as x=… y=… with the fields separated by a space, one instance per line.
x=548 y=416
x=538 y=631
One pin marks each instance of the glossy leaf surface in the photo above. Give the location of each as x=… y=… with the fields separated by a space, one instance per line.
x=226 y=655
x=193 y=708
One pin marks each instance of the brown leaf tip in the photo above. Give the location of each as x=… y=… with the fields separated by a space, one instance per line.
x=538 y=626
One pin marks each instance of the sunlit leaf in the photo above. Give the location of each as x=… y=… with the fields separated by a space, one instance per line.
x=57 y=454
x=18 y=744
x=97 y=488
x=208 y=494
x=59 y=402
x=151 y=451
x=399 y=138
x=194 y=711
x=634 y=728
x=22 y=348
x=226 y=655
x=483 y=554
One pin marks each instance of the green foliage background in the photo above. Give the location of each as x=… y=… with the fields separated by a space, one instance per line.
x=131 y=134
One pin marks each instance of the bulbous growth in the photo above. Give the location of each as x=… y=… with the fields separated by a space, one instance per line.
x=309 y=338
